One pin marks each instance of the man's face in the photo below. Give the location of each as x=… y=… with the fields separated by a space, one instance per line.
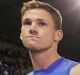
x=38 y=30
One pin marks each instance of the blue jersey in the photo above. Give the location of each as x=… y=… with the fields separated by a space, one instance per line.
x=60 y=67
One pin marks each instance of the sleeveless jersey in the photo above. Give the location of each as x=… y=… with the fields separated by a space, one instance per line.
x=60 y=67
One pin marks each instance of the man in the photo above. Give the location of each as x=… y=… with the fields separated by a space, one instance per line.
x=40 y=33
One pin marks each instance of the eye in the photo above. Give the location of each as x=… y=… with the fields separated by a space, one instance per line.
x=27 y=22
x=42 y=23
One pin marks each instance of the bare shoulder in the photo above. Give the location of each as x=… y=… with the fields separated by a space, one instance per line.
x=75 y=70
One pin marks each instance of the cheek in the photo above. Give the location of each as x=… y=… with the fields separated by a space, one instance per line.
x=46 y=40
x=23 y=34
x=24 y=30
x=48 y=32
x=48 y=35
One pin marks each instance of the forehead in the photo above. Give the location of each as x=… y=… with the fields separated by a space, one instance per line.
x=37 y=14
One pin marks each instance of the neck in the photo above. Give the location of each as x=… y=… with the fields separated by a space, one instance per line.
x=44 y=59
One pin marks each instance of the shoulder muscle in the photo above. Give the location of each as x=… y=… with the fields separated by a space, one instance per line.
x=75 y=70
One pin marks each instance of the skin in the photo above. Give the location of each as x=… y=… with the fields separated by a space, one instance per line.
x=75 y=70
x=40 y=37
x=33 y=35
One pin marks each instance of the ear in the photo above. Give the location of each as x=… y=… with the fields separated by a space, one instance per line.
x=58 y=35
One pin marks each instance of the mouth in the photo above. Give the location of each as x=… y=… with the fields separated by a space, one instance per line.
x=34 y=38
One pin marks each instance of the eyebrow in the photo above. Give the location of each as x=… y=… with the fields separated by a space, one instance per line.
x=25 y=19
x=37 y=19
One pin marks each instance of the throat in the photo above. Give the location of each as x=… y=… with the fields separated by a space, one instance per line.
x=43 y=60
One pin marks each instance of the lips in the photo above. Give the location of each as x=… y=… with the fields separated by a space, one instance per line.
x=34 y=38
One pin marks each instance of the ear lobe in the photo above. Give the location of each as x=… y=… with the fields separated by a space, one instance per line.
x=58 y=35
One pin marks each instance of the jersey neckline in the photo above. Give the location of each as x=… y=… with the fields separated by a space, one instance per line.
x=50 y=68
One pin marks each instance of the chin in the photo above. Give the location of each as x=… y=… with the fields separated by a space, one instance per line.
x=30 y=47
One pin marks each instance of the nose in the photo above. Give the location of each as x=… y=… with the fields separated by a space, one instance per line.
x=34 y=29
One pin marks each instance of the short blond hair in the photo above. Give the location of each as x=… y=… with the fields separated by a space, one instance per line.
x=42 y=5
